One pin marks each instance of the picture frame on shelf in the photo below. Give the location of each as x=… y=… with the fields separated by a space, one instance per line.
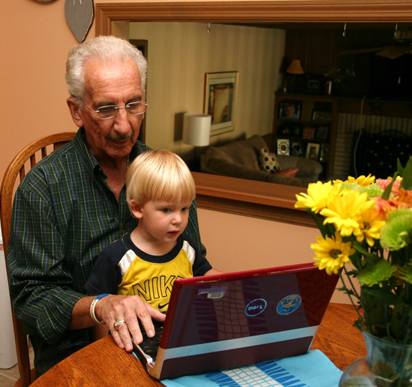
x=308 y=133
x=220 y=100
x=321 y=116
x=312 y=151
x=322 y=132
x=324 y=152
x=297 y=149
x=283 y=146
x=284 y=130
x=313 y=84
x=290 y=110
x=297 y=130
x=290 y=130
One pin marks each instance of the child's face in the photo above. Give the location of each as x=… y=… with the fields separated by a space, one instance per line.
x=164 y=221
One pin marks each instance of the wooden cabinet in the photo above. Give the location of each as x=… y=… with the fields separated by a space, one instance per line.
x=306 y=126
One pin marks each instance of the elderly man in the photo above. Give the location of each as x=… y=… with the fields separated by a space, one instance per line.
x=72 y=205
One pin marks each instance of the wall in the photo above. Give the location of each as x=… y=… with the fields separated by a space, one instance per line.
x=179 y=55
x=34 y=45
x=242 y=243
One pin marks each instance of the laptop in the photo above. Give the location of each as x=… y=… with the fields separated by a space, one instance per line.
x=231 y=320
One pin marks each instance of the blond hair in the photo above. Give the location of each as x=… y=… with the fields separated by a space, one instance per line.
x=159 y=175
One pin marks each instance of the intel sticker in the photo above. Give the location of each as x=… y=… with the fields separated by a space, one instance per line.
x=289 y=304
x=255 y=307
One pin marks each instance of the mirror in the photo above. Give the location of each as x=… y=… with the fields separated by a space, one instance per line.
x=110 y=16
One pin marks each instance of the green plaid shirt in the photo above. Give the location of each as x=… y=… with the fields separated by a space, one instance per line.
x=64 y=214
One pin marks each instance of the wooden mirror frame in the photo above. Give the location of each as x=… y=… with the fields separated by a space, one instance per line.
x=238 y=196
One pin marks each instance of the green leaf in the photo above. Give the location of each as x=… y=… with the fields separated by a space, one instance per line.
x=388 y=189
x=407 y=175
x=358 y=247
x=399 y=167
x=376 y=274
x=405 y=273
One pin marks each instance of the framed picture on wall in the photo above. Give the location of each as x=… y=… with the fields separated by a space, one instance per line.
x=220 y=100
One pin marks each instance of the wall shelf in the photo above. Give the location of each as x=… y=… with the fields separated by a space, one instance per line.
x=309 y=127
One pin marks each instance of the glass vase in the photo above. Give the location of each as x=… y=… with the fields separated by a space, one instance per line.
x=387 y=364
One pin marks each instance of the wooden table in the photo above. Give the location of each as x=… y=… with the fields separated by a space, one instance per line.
x=103 y=363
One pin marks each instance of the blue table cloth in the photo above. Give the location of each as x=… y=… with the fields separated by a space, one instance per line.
x=313 y=369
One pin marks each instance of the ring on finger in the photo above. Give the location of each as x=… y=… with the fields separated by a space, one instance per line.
x=118 y=324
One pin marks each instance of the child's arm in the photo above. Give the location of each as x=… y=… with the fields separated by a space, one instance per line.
x=100 y=331
x=214 y=271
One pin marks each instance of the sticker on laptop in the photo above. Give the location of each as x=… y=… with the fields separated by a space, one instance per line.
x=213 y=293
x=288 y=304
x=255 y=307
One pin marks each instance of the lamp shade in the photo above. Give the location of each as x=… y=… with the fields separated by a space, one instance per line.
x=295 y=67
x=196 y=129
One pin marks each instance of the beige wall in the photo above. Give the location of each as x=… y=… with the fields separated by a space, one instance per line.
x=34 y=45
x=180 y=54
x=242 y=243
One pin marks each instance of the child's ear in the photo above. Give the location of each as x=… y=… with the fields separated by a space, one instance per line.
x=135 y=209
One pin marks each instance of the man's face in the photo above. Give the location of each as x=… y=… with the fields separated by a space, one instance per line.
x=111 y=84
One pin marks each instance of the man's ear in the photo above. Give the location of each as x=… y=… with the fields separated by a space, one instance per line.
x=75 y=112
x=135 y=209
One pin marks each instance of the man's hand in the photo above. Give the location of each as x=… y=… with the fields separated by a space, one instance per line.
x=130 y=309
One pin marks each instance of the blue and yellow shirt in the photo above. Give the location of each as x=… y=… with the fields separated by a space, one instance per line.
x=122 y=268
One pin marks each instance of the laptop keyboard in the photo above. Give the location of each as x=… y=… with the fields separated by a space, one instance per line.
x=150 y=345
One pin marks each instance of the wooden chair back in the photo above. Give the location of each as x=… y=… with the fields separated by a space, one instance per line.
x=18 y=168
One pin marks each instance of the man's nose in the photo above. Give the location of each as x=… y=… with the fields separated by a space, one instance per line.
x=122 y=121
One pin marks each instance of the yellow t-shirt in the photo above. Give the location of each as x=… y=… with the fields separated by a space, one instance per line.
x=122 y=268
x=153 y=281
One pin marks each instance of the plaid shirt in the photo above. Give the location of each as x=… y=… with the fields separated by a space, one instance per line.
x=64 y=214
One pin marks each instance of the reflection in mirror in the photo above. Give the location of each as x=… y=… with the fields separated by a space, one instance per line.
x=262 y=56
x=261 y=53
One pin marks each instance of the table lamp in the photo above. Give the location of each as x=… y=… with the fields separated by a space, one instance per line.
x=294 y=71
x=295 y=67
x=196 y=131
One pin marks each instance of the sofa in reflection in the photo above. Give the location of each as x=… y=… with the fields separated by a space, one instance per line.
x=243 y=159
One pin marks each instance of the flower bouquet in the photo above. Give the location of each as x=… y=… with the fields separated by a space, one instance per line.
x=366 y=238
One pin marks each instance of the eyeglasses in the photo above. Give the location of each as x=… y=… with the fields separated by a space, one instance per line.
x=110 y=111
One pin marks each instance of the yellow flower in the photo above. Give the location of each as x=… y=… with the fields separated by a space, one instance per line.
x=345 y=211
x=362 y=180
x=332 y=253
x=318 y=196
x=370 y=226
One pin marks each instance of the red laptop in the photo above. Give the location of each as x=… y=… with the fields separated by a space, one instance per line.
x=226 y=321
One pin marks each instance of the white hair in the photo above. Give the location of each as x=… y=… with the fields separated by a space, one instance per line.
x=106 y=49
